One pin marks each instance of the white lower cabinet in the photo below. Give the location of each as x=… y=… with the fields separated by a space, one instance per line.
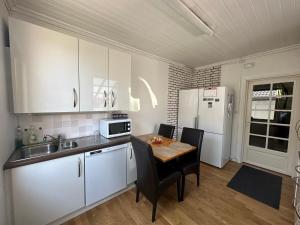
x=46 y=191
x=131 y=165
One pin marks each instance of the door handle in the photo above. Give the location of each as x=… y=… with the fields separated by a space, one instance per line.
x=113 y=99
x=75 y=97
x=297 y=128
x=79 y=167
x=196 y=122
x=95 y=152
x=131 y=153
x=105 y=99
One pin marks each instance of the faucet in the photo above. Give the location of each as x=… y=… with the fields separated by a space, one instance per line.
x=59 y=138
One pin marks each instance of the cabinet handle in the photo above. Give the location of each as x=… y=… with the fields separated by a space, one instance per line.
x=75 y=97
x=196 y=122
x=113 y=99
x=79 y=167
x=105 y=103
x=131 y=153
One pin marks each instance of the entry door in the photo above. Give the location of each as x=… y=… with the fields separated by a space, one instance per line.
x=269 y=141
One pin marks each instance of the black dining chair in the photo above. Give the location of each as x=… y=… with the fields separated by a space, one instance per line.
x=151 y=181
x=166 y=130
x=190 y=163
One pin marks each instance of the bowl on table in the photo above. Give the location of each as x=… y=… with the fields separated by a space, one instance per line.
x=156 y=140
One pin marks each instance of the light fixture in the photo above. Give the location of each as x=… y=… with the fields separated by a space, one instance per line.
x=192 y=16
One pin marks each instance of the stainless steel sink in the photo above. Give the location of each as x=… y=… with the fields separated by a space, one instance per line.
x=37 y=150
x=42 y=149
x=69 y=144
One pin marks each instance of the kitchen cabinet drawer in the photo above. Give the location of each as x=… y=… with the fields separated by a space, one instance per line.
x=44 y=69
x=46 y=191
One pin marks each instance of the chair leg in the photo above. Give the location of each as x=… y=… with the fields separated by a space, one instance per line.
x=178 y=190
x=154 y=211
x=198 y=179
x=182 y=187
x=137 y=195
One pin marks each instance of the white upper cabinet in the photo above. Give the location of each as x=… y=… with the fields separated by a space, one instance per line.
x=119 y=80
x=93 y=75
x=44 y=69
x=49 y=67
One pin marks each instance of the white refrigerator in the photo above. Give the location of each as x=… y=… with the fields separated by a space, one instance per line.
x=211 y=111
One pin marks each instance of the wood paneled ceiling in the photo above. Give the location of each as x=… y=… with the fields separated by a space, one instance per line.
x=241 y=27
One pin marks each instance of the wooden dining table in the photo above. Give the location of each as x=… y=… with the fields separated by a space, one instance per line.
x=168 y=149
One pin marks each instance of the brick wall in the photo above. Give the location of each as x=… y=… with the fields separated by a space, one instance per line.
x=182 y=77
x=208 y=77
x=179 y=78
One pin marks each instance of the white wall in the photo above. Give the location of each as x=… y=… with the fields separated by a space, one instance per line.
x=235 y=75
x=231 y=77
x=7 y=120
x=149 y=83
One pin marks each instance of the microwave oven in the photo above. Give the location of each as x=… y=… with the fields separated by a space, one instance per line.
x=110 y=128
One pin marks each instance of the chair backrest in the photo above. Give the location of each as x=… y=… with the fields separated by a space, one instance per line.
x=147 y=177
x=166 y=130
x=193 y=137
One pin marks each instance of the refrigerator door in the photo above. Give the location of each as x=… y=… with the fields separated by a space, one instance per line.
x=212 y=110
x=188 y=108
x=212 y=149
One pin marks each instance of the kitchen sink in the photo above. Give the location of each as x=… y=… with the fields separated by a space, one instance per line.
x=37 y=150
x=69 y=145
x=43 y=149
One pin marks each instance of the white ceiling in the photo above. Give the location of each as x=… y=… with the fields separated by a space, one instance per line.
x=241 y=27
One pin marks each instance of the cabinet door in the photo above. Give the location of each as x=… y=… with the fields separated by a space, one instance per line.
x=131 y=165
x=93 y=76
x=119 y=80
x=44 y=69
x=105 y=173
x=46 y=191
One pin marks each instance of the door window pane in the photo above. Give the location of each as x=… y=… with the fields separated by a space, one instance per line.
x=256 y=128
x=279 y=131
x=281 y=117
x=257 y=141
x=277 y=145
x=262 y=90
x=259 y=116
x=260 y=104
x=284 y=103
x=280 y=89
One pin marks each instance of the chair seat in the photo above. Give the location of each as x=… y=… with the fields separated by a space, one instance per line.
x=188 y=167
x=187 y=164
x=167 y=175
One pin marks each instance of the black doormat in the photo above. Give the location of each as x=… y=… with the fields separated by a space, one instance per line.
x=257 y=184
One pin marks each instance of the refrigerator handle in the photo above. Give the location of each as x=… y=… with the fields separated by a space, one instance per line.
x=196 y=122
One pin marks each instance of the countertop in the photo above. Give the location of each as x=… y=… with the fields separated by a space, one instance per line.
x=85 y=144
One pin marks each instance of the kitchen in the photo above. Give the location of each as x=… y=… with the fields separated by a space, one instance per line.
x=64 y=78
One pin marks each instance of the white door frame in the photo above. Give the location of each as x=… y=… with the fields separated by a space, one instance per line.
x=243 y=114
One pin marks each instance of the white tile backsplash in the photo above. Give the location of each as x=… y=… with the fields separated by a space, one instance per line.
x=69 y=125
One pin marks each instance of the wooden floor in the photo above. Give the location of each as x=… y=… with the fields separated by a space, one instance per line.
x=210 y=204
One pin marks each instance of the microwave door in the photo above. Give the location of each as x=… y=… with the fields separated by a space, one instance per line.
x=118 y=128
